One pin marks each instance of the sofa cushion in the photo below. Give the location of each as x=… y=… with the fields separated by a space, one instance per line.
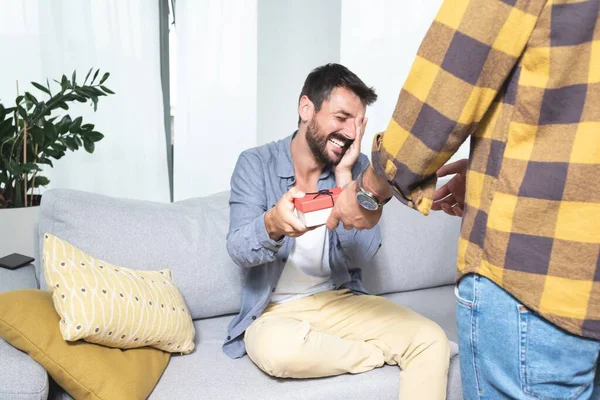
x=417 y=252
x=115 y=306
x=219 y=377
x=188 y=238
x=216 y=376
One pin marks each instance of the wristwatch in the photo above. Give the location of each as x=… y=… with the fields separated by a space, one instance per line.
x=365 y=198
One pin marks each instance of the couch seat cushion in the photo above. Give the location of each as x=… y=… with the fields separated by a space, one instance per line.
x=210 y=374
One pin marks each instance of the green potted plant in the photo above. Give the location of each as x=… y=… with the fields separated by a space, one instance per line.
x=33 y=133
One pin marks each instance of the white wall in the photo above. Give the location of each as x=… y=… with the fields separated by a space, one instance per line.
x=294 y=37
x=379 y=41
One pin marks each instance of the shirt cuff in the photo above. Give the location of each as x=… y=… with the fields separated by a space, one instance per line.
x=384 y=166
x=263 y=239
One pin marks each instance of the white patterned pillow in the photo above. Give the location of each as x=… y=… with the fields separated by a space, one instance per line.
x=115 y=306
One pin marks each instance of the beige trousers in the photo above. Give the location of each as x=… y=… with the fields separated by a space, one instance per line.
x=337 y=332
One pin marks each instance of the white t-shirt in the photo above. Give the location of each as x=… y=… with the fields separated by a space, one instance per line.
x=306 y=271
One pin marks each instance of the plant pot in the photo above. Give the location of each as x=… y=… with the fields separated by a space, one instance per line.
x=19 y=231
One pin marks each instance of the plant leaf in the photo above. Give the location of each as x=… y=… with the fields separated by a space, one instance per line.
x=48 y=86
x=40 y=87
x=104 y=78
x=38 y=135
x=73 y=78
x=19 y=99
x=7 y=128
x=45 y=160
x=52 y=153
x=89 y=146
x=41 y=181
x=107 y=90
x=64 y=83
x=50 y=131
x=63 y=105
x=88 y=75
x=31 y=98
x=94 y=136
x=29 y=167
x=96 y=91
x=64 y=124
x=71 y=143
x=76 y=125
x=22 y=112
x=87 y=127
x=95 y=76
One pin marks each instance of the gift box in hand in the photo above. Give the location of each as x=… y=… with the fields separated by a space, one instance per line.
x=314 y=208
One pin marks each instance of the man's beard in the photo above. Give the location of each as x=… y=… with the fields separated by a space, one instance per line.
x=317 y=142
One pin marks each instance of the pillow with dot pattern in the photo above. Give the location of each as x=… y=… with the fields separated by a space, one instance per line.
x=114 y=306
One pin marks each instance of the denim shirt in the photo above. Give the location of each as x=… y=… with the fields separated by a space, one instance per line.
x=261 y=177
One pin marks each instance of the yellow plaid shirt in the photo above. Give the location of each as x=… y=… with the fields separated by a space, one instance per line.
x=522 y=79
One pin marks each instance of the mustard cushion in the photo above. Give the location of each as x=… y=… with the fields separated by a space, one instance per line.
x=29 y=322
x=115 y=306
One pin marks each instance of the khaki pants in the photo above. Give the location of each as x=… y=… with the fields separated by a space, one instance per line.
x=337 y=332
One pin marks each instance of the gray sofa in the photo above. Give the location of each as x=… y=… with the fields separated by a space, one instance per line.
x=414 y=267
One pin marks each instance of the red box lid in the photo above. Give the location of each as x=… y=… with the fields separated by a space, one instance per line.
x=317 y=201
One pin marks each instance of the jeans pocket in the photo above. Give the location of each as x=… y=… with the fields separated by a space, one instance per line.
x=465 y=291
x=555 y=365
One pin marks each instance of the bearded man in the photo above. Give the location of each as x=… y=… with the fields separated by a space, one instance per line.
x=305 y=311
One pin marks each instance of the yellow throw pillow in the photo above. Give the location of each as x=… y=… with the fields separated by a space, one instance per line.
x=115 y=306
x=29 y=322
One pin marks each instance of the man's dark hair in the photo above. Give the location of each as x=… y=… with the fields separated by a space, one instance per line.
x=322 y=80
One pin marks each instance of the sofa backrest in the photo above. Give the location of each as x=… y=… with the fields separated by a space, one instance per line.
x=417 y=252
x=188 y=237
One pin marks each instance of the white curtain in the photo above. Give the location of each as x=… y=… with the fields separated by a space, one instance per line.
x=379 y=41
x=216 y=92
x=42 y=39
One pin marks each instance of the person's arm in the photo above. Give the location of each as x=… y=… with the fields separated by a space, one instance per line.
x=359 y=245
x=462 y=64
x=248 y=241
x=256 y=233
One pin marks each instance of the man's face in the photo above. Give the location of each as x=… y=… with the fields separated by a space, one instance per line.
x=332 y=130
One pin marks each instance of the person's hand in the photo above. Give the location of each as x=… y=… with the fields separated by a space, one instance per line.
x=282 y=221
x=350 y=213
x=351 y=155
x=451 y=197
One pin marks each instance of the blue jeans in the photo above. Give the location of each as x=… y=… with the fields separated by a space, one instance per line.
x=508 y=352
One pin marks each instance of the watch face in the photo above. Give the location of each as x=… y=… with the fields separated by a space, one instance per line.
x=367 y=201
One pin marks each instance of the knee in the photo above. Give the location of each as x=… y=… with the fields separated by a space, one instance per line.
x=434 y=341
x=275 y=354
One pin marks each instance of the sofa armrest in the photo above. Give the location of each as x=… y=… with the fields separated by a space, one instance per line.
x=22 y=278
x=21 y=378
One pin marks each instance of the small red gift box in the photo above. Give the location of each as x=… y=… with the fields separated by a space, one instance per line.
x=314 y=208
